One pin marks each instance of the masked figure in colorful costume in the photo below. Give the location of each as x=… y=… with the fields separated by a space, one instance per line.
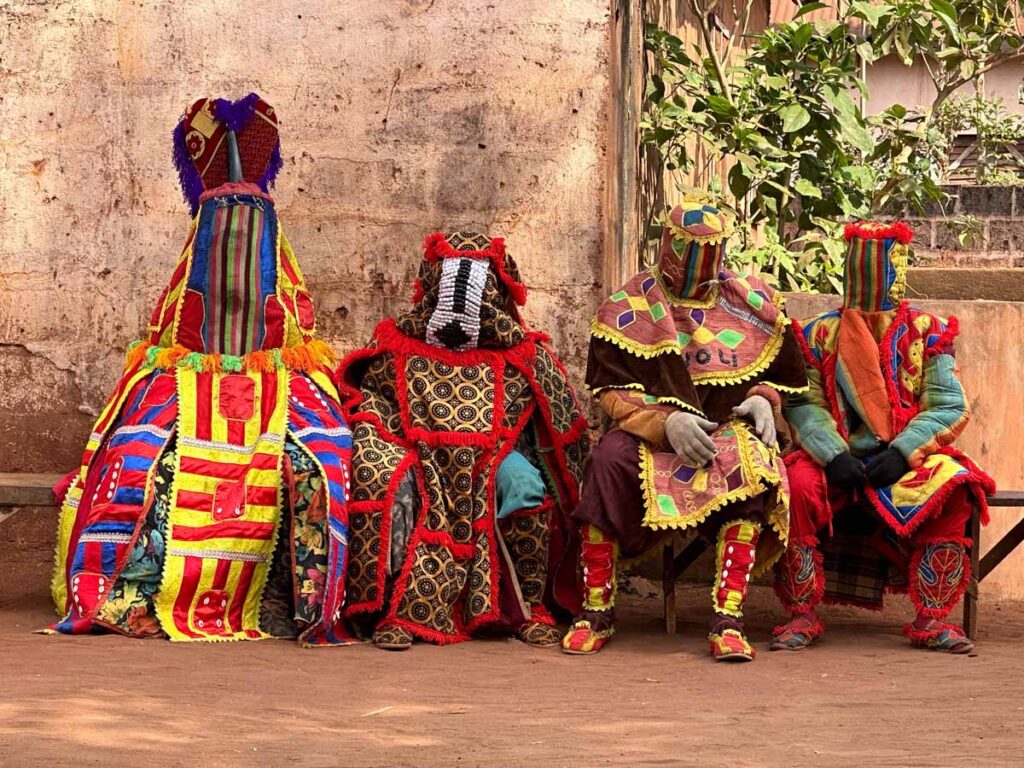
x=876 y=466
x=468 y=448
x=690 y=363
x=211 y=500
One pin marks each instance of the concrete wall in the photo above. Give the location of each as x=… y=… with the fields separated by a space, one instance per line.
x=398 y=117
x=891 y=82
x=1000 y=215
x=991 y=361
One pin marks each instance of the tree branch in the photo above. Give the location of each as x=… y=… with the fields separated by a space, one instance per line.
x=705 y=32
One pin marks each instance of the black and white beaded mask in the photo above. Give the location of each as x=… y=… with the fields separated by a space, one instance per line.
x=463 y=302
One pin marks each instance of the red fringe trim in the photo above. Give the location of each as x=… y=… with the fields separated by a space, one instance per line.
x=444 y=539
x=436 y=248
x=874 y=230
x=973 y=476
x=426 y=633
x=391 y=340
x=813 y=632
x=945 y=340
x=540 y=615
x=915 y=635
x=234 y=188
x=819 y=581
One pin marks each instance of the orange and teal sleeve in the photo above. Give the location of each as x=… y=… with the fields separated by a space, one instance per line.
x=944 y=412
x=811 y=420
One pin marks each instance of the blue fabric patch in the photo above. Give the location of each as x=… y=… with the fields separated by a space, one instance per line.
x=519 y=485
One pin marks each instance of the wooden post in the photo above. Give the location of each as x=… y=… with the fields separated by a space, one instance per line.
x=622 y=236
x=971 y=595
x=668 y=585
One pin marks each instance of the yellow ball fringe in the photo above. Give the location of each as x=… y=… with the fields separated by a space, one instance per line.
x=314 y=354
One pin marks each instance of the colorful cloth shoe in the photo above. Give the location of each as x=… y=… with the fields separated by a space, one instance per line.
x=389 y=637
x=798 y=633
x=538 y=634
x=583 y=638
x=939 y=636
x=730 y=644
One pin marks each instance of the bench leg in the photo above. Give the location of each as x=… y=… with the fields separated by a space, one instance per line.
x=971 y=594
x=668 y=585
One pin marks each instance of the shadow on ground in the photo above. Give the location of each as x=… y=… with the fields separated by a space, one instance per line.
x=863 y=697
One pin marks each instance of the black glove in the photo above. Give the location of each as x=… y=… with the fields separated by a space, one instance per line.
x=844 y=471
x=886 y=468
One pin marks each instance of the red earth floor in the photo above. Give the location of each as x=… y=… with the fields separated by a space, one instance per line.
x=861 y=698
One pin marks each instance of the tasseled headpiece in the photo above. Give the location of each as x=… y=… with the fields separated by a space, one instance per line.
x=202 y=145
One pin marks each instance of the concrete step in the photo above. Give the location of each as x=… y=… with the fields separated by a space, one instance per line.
x=965 y=283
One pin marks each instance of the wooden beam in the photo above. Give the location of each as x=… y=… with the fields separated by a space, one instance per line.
x=24 y=490
x=622 y=236
x=1007 y=499
x=998 y=552
x=972 y=594
x=689 y=556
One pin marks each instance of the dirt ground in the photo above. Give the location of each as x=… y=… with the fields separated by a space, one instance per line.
x=861 y=698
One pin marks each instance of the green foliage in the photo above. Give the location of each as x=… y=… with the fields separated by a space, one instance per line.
x=787 y=119
x=956 y=40
x=907 y=161
x=997 y=132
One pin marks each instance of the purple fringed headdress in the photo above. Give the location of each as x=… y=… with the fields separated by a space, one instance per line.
x=254 y=140
x=188 y=176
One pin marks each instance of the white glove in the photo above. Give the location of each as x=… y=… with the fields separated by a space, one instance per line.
x=688 y=434
x=758 y=411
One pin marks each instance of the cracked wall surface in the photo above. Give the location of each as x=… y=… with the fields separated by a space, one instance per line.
x=398 y=117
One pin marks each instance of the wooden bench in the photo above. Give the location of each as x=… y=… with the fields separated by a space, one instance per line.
x=23 y=490
x=674 y=565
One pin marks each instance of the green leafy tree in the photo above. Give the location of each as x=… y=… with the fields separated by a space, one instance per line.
x=957 y=41
x=785 y=119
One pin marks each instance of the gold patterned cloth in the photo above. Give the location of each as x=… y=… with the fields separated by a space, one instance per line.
x=450 y=416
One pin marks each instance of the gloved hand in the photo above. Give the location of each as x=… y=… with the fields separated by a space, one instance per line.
x=758 y=411
x=688 y=434
x=886 y=468
x=845 y=471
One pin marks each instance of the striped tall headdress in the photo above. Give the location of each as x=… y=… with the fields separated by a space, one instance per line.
x=874 y=277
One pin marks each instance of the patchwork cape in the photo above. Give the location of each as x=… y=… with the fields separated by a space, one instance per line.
x=704 y=355
x=223 y=442
x=451 y=417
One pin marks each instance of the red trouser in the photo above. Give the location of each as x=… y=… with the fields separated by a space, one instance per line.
x=939 y=569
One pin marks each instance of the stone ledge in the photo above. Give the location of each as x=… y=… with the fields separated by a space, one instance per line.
x=961 y=283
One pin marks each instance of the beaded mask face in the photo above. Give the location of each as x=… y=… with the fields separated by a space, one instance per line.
x=466 y=294
x=692 y=249
x=874 y=276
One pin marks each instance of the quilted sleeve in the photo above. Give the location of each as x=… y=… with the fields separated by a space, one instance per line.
x=944 y=412
x=814 y=429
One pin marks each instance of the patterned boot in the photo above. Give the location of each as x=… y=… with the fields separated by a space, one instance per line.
x=800 y=586
x=596 y=624
x=527 y=536
x=939 y=572
x=734 y=561
x=390 y=637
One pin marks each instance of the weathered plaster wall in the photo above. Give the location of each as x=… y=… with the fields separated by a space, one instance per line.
x=991 y=362
x=398 y=117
